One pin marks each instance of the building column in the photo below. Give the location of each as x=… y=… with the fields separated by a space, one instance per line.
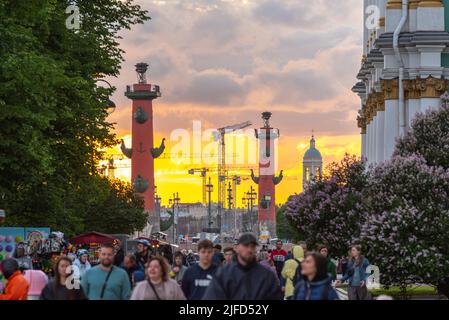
x=374 y=133
x=380 y=136
x=413 y=103
x=382 y=8
x=363 y=134
x=413 y=15
x=391 y=126
x=304 y=176
x=368 y=142
x=430 y=15
x=393 y=15
x=391 y=123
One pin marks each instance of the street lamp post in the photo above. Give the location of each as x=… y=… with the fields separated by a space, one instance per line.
x=245 y=221
x=251 y=196
x=175 y=202
x=157 y=201
x=230 y=201
x=209 y=189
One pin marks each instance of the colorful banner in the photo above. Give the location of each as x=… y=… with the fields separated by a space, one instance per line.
x=9 y=237
x=36 y=234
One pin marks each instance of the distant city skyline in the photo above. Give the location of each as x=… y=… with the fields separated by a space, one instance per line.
x=224 y=62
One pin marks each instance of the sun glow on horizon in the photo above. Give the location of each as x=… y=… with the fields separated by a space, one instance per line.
x=174 y=177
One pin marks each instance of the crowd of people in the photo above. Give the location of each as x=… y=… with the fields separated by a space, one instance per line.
x=240 y=272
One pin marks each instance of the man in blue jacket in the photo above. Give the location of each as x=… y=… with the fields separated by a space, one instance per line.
x=197 y=278
x=244 y=278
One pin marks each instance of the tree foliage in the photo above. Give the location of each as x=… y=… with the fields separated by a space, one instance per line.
x=408 y=217
x=284 y=228
x=398 y=210
x=428 y=137
x=330 y=211
x=53 y=122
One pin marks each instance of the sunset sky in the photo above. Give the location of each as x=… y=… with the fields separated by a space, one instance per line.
x=223 y=62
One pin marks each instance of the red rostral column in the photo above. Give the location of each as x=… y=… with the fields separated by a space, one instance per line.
x=143 y=153
x=267 y=179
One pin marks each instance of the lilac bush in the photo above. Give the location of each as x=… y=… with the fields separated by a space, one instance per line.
x=428 y=136
x=398 y=210
x=331 y=211
x=406 y=233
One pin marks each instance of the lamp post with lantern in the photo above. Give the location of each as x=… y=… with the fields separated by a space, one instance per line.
x=209 y=190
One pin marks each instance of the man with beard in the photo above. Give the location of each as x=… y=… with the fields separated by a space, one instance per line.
x=244 y=278
x=106 y=281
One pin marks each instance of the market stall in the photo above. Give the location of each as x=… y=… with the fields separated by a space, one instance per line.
x=91 y=241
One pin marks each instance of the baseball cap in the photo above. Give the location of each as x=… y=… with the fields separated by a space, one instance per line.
x=247 y=238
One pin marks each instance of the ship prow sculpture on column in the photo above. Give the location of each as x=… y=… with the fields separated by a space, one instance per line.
x=267 y=179
x=142 y=152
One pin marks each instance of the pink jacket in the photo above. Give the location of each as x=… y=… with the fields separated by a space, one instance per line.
x=37 y=280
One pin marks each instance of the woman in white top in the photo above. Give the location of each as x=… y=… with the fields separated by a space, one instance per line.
x=158 y=286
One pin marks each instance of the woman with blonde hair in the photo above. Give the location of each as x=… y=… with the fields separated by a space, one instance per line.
x=158 y=285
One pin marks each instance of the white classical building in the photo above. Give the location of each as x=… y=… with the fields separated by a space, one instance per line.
x=312 y=165
x=405 y=67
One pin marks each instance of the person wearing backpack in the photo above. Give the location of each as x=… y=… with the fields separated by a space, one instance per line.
x=292 y=271
x=316 y=282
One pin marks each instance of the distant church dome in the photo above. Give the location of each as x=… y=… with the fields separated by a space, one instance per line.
x=312 y=153
x=312 y=165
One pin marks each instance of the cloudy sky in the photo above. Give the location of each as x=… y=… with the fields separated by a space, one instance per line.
x=223 y=62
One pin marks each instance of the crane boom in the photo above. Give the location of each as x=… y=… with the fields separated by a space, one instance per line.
x=220 y=136
x=235 y=127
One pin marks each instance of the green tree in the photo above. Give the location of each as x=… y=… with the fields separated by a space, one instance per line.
x=119 y=209
x=284 y=228
x=52 y=113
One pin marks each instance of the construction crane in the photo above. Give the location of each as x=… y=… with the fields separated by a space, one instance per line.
x=219 y=135
x=203 y=172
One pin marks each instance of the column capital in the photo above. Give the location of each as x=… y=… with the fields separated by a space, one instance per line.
x=361 y=122
x=390 y=88
x=431 y=87
x=411 y=89
x=394 y=4
x=413 y=4
x=430 y=4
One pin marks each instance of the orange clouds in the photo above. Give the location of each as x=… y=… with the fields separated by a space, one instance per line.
x=225 y=62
